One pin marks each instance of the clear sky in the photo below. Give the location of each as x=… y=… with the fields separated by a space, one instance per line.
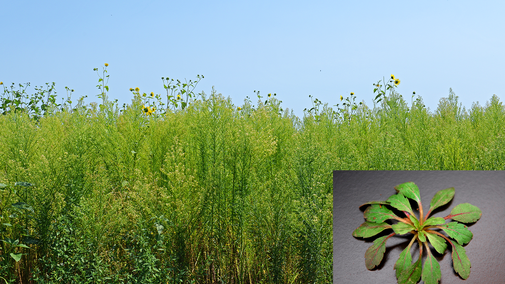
x=292 y=48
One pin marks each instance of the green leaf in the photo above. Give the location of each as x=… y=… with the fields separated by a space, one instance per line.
x=403 y=262
x=401 y=203
x=378 y=214
x=401 y=228
x=375 y=253
x=466 y=213
x=16 y=256
x=431 y=270
x=2 y=186
x=375 y=202
x=421 y=236
x=459 y=232
x=410 y=190
x=433 y=221
x=437 y=242
x=460 y=261
x=415 y=221
x=369 y=229
x=441 y=198
x=412 y=274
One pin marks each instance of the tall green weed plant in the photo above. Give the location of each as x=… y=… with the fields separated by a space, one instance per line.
x=191 y=188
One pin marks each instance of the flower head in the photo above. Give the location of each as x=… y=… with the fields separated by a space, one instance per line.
x=341 y=98
x=392 y=77
x=106 y=64
x=239 y=108
x=144 y=94
x=137 y=89
x=145 y=109
x=1 y=83
x=178 y=97
x=352 y=94
x=397 y=82
x=152 y=94
x=131 y=89
x=269 y=95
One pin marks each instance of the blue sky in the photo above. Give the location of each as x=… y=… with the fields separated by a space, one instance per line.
x=292 y=48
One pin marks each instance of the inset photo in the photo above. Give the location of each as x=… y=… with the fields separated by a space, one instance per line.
x=418 y=226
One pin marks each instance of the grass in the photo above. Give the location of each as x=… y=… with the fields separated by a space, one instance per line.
x=199 y=190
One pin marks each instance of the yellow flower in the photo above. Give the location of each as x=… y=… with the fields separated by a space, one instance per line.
x=145 y=109
x=131 y=89
x=137 y=89
x=352 y=94
x=106 y=64
x=144 y=94
x=341 y=98
x=178 y=97
x=1 y=83
x=269 y=95
x=392 y=77
x=414 y=93
x=397 y=82
x=152 y=94
x=239 y=108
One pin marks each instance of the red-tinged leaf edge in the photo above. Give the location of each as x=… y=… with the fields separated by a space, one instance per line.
x=401 y=203
x=458 y=231
x=404 y=260
x=370 y=229
x=460 y=261
x=378 y=214
x=431 y=270
x=465 y=213
x=441 y=198
x=375 y=253
x=412 y=274
x=409 y=190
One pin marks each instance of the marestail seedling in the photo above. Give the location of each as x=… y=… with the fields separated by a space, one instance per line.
x=424 y=231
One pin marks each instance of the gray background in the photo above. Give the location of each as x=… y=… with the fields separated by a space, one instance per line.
x=484 y=189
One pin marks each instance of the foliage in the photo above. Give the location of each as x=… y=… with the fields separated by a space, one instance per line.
x=206 y=191
x=423 y=229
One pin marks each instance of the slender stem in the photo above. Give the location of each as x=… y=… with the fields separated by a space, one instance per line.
x=427 y=248
x=406 y=213
x=421 y=213
x=403 y=220
x=431 y=227
x=412 y=241
x=427 y=214
x=420 y=248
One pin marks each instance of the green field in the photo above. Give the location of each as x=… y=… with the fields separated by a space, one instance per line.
x=201 y=190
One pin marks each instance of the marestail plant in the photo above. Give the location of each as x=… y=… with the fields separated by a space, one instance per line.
x=423 y=230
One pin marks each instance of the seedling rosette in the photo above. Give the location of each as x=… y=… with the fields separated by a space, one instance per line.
x=424 y=230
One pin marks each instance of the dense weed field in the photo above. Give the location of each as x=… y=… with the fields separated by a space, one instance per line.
x=199 y=190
